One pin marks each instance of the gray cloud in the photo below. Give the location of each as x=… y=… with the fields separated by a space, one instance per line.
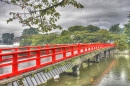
x=102 y=13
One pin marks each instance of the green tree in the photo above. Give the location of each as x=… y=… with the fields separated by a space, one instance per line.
x=121 y=45
x=76 y=28
x=64 y=33
x=30 y=31
x=92 y=28
x=103 y=35
x=63 y=40
x=127 y=29
x=115 y=29
x=41 y=13
x=26 y=42
x=7 y=38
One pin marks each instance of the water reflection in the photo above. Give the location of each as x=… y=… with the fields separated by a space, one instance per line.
x=113 y=71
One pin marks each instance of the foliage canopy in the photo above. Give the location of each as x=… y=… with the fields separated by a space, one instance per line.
x=40 y=13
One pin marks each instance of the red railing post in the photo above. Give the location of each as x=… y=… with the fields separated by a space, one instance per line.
x=64 y=52
x=53 y=55
x=38 y=59
x=79 y=46
x=47 y=51
x=92 y=47
x=95 y=46
x=89 y=46
x=28 y=52
x=99 y=45
x=16 y=49
x=84 y=48
x=39 y=47
x=15 y=64
x=0 y=56
x=47 y=46
x=72 y=50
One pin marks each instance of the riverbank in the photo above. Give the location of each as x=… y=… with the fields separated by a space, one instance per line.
x=122 y=52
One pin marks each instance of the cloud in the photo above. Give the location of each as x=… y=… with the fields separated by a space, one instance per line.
x=97 y=12
x=12 y=27
x=102 y=13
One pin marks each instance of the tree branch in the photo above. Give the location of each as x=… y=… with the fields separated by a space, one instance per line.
x=43 y=10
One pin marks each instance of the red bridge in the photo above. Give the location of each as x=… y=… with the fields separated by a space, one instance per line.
x=19 y=60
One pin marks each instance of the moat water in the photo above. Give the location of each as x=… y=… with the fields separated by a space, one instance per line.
x=112 y=71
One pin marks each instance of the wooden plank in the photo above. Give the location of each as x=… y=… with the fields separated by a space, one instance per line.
x=56 y=71
x=69 y=66
x=66 y=67
x=43 y=76
x=61 y=69
x=41 y=79
x=25 y=82
x=47 y=77
x=29 y=81
x=37 y=79
x=33 y=80
x=10 y=84
x=52 y=73
x=15 y=84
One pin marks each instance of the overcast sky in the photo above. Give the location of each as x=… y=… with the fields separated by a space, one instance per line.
x=102 y=13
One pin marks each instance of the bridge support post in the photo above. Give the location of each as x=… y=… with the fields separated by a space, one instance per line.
x=75 y=70
x=88 y=61
x=97 y=58
x=105 y=53
x=85 y=63
x=109 y=52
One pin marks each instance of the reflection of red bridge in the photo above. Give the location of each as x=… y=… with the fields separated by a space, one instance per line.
x=106 y=71
x=35 y=57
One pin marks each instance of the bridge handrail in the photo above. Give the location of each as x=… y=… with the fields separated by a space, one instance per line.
x=40 y=54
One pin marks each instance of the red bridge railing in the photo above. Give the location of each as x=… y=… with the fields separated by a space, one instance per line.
x=15 y=61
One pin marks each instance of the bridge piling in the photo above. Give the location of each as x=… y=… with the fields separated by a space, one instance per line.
x=97 y=58
x=76 y=70
x=105 y=52
x=88 y=61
